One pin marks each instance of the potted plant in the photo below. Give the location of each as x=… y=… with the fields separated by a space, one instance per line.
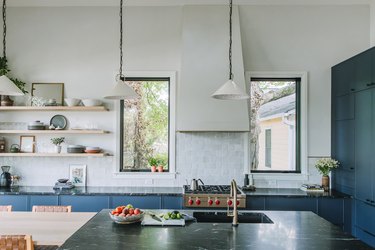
x=57 y=142
x=324 y=167
x=153 y=162
x=162 y=162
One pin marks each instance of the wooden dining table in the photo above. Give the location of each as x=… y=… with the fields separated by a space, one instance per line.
x=45 y=228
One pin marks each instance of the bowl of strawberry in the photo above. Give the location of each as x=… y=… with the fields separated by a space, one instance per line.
x=126 y=214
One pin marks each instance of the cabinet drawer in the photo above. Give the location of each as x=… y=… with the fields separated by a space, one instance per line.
x=365 y=218
x=84 y=203
x=291 y=204
x=18 y=202
x=365 y=237
x=172 y=202
x=331 y=210
x=142 y=202
x=255 y=203
x=43 y=200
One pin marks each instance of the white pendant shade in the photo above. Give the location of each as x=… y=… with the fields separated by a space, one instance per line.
x=121 y=91
x=230 y=91
x=7 y=87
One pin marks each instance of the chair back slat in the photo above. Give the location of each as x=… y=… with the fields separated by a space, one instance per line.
x=55 y=209
x=5 y=208
x=16 y=242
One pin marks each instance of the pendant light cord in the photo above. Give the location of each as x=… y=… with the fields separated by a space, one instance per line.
x=230 y=39
x=4 y=29
x=121 y=38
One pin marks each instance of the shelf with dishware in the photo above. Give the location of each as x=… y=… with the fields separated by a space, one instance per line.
x=62 y=131
x=53 y=154
x=53 y=108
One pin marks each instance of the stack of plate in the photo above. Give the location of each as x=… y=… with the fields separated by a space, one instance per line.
x=36 y=125
x=75 y=149
x=93 y=150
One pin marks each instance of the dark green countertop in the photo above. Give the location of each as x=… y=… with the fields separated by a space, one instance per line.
x=290 y=230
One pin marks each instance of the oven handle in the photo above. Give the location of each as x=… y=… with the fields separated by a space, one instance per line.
x=201 y=181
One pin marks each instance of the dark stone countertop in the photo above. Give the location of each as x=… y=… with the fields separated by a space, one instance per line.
x=294 y=192
x=290 y=230
x=171 y=191
x=31 y=190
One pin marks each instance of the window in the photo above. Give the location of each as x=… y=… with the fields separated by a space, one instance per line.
x=275 y=125
x=268 y=148
x=145 y=126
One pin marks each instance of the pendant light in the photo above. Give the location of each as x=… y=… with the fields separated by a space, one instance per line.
x=122 y=90
x=230 y=90
x=7 y=87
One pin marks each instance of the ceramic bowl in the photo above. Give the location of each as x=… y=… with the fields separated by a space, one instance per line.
x=93 y=148
x=91 y=102
x=72 y=101
x=129 y=219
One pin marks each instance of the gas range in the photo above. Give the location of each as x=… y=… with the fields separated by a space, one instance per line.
x=212 y=196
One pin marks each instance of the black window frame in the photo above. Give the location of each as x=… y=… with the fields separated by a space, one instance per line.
x=122 y=112
x=298 y=81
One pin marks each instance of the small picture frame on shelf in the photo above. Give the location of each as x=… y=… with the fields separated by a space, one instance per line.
x=77 y=174
x=27 y=144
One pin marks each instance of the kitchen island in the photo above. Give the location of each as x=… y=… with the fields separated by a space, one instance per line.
x=289 y=230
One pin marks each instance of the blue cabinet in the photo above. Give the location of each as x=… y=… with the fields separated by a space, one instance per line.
x=255 y=203
x=343 y=76
x=332 y=210
x=291 y=204
x=172 y=202
x=43 y=200
x=18 y=202
x=143 y=202
x=82 y=203
x=363 y=70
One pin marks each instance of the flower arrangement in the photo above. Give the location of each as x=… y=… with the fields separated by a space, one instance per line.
x=58 y=140
x=325 y=165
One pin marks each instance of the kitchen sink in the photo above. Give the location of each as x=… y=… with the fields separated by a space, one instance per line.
x=222 y=217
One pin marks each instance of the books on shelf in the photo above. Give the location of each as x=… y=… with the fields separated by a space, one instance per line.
x=312 y=188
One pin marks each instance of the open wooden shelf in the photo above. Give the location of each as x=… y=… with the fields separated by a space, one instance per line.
x=53 y=108
x=75 y=131
x=51 y=155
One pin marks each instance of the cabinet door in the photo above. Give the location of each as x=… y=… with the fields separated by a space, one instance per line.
x=365 y=218
x=172 y=202
x=18 y=202
x=255 y=203
x=344 y=108
x=85 y=203
x=43 y=200
x=291 y=204
x=343 y=78
x=332 y=210
x=363 y=145
x=362 y=70
x=344 y=144
x=143 y=202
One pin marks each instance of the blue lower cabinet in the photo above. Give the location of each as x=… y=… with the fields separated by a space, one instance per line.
x=365 y=236
x=43 y=200
x=332 y=210
x=291 y=204
x=172 y=202
x=255 y=203
x=365 y=217
x=93 y=203
x=144 y=201
x=18 y=202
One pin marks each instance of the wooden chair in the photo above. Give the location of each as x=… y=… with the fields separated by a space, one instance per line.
x=20 y=242
x=5 y=208
x=56 y=209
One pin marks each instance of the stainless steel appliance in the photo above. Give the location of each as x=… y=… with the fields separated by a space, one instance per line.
x=212 y=196
x=194 y=186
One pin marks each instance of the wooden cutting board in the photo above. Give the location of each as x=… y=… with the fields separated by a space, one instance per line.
x=149 y=221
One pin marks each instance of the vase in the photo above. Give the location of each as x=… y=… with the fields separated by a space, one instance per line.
x=153 y=168
x=160 y=169
x=58 y=149
x=325 y=182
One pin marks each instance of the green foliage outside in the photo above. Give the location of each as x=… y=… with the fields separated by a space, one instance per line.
x=146 y=126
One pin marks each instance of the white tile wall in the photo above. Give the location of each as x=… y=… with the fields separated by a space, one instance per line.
x=215 y=157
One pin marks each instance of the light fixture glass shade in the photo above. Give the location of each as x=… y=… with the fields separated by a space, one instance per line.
x=230 y=91
x=121 y=91
x=7 y=87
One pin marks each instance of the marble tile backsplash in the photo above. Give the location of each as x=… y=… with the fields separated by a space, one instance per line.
x=215 y=157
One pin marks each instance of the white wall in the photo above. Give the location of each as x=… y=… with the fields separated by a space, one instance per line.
x=79 y=46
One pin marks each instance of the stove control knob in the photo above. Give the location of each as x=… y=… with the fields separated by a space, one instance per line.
x=217 y=202
x=238 y=203
x=191 y=202
x=198 y=202
x=229 y=202
x=210 y=202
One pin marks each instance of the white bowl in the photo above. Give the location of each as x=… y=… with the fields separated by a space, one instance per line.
x=72 y=101
x=91 y=102
x=93 y=148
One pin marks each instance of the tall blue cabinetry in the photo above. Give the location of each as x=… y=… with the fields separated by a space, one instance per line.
x=353 y=138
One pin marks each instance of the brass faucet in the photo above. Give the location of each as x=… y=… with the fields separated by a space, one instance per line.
x=233 y=194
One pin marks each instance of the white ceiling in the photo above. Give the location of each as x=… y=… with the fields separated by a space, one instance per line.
x=27 y=3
